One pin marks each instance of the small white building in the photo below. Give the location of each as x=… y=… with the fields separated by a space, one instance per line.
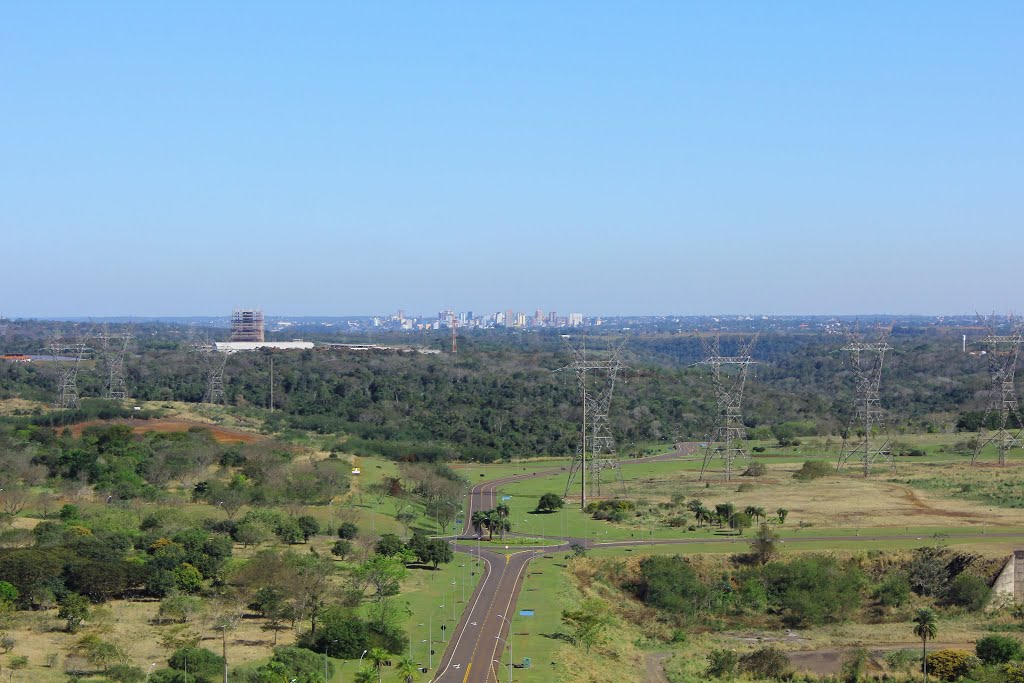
x=235 y=347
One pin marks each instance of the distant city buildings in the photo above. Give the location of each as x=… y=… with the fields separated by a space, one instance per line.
x=445 y=318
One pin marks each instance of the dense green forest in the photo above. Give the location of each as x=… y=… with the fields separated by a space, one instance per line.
x=509 y=395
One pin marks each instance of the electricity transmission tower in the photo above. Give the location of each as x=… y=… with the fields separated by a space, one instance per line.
x=67 y=357
x=866 y=359
x=595 y=452
x=114 y=347
x=213 y=362
x=1001 y=351
x=729 y=376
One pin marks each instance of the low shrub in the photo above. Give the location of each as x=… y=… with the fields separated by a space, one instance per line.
x=949 y=665
x=813 y=469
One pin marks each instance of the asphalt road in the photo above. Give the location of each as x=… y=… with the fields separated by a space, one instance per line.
x=477 y=642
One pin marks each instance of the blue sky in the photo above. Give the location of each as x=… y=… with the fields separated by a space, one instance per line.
x=656 y=157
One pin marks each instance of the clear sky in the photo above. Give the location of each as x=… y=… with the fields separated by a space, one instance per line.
x=176 y=158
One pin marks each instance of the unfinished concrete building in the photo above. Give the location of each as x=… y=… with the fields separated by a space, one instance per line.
x=247 y=325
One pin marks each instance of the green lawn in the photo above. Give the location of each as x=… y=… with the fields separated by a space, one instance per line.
x=422 y=595
x=545 y=591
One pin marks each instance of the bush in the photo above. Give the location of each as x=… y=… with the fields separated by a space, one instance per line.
x=813 y=469
x=670 y=584
x=341 y=633
x=766 y=662
x=854 y=663
x=203 y=665
x=813 y=590
x=341 y=548
x=125 y=673
x=722 y=663
x=900 y=660
x=968 y=591
x=348 y=530
x=949 y=665
x=893 y=591
x=755 y=469
x=8 y=593
x=998 y=649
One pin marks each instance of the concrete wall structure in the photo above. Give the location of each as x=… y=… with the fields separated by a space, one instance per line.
x=1009 y=585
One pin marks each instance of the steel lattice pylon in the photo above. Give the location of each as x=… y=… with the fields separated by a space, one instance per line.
x=67 y=356
x=1002 y=352
x=726 y=441
x=214 y=363
x=595 y=452
x=114 y=348
x=866 y=360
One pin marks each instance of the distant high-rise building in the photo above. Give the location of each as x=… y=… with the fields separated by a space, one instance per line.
x=575 y=319
x=552 y=318
x=520 y=320
x=247 y=325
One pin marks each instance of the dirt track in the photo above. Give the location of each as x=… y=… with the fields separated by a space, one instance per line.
x=169 y=425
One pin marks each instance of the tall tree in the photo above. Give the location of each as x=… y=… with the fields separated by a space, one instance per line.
x=925 y=628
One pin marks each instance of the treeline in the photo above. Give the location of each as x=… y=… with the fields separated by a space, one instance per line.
x=510 y=395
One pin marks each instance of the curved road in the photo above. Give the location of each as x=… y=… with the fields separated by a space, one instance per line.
x=477 y=641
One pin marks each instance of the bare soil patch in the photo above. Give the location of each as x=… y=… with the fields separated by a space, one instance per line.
x=829 y=661
x=170 y=425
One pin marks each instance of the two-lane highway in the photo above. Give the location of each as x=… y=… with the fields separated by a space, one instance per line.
x=477 y=641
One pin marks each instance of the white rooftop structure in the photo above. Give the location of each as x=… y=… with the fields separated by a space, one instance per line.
x=235 y=347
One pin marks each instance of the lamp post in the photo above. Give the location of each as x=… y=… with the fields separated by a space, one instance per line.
x=454 y=584
x=326 y=651
x=509 y=657
x=149 y=671
x=509 y=643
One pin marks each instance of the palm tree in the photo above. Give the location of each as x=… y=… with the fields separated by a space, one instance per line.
x=694 y=505
x=751 y=511
x=782 y=512
x=503 y=512
x=760 y=513
x=367 y=674
x=378 y=656
x=493 y=521
x=407 y=669
x=479 y=520
x=925 y=629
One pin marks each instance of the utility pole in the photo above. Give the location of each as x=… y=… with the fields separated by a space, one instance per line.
x=271 y=382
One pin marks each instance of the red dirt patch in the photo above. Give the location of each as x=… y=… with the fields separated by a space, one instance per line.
x=167 y=425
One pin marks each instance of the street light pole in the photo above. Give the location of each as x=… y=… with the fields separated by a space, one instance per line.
x=509 y=643
x=509 y=656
